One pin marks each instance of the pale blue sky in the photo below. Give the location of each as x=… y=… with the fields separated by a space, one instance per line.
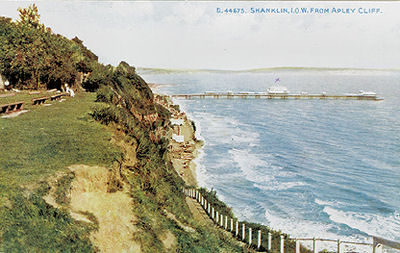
x=192 y=35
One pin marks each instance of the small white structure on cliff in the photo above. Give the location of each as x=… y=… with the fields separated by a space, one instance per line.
x=178 y=122
x=178 y=138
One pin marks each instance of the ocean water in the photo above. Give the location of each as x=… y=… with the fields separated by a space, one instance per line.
x=323 y=168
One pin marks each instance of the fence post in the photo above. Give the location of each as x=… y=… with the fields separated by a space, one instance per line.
x=243 y=231
x=297 y=246
x=216 y=217
x=282 y=244
x=379 y=248
x=237 y=228
x=221 y=221
x=250 y=237
x=313 y=245
x=226 y=222
x=212 y=213
x=269 y=241
x=208 y=209
x=338 y=246
x=259 y=240
x=231 y=225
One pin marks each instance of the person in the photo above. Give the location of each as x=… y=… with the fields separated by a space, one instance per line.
x=70 y=91
x=7 y=85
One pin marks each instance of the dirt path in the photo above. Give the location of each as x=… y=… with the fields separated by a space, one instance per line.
x=198 y=212
x=89 y=195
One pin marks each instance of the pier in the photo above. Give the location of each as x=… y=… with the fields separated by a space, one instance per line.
x=278 y=96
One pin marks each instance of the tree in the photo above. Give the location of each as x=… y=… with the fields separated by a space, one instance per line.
x=33 y=57
x=30 y=17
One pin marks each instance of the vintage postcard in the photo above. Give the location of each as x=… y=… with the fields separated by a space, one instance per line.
x=200 y=126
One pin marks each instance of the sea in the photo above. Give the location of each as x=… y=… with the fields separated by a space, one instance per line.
x=310 y=168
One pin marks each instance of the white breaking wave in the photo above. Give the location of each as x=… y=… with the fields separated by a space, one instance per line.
x=278 y=186
x=383 y=226
x=334 y=203
x=247 y=163
x=300 y=228
x=224 y=130
x=201 y=174
x=259 y=171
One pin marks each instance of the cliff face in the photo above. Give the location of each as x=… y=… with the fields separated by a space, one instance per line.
x=126 y=103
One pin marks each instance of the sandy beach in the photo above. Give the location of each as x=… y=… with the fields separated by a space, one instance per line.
x=184 y=146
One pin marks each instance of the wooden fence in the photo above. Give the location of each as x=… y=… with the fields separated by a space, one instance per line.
x=262 y=240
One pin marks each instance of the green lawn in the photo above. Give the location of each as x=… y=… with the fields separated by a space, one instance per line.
x=46 y=139
x=33 y=146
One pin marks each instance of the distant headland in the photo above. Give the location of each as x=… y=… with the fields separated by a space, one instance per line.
x=148 y=70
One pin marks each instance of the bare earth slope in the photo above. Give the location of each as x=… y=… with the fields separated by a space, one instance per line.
x=113 y=211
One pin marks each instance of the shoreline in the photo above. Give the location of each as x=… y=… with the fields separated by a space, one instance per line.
x=184 y=148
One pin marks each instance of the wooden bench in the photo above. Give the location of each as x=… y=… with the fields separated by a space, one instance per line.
x=13 y=107
x=56 y=97
x=7 y=95
x=38 y=101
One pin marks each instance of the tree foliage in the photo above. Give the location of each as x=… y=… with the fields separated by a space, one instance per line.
x=32 y=57
x=30 y=17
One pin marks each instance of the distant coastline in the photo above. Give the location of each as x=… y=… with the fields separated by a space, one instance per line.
x=146 y=70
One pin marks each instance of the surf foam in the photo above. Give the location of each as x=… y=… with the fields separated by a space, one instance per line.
x=372 y=224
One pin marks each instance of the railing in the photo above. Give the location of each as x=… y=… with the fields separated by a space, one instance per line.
x=338 y=243
x=278 y=96
x=264 y=240
x=382 y=245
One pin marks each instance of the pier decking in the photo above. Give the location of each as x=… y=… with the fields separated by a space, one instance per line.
x=277 y=96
